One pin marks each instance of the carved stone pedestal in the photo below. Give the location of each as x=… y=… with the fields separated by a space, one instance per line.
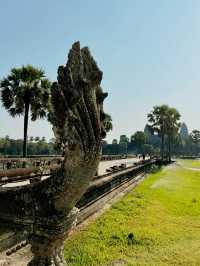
x=47 y=253
x=47 y=247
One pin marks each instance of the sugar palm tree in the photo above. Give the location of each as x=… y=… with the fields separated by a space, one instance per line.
x=26 y=90
x=157 y=119
x=172 y=127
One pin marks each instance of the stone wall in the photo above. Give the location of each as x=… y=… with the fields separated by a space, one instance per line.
x=17 y=210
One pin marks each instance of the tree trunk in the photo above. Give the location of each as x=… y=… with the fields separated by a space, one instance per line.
x=162 y=146
x=25 y=129
x=169 y=148
x=47 y=246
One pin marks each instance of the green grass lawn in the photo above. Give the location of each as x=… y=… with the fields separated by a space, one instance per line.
x=158 y=223
x=191 y=163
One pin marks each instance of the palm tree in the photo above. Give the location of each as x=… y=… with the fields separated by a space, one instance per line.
x=157 y=119
x=172 y=127
x=26 y=90
x=195 y=141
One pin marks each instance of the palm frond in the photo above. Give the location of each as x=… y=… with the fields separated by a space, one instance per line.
x=13 y=112
x=26 y=85
x=7 y=97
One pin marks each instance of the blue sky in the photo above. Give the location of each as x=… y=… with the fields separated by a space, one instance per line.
x=149 y=52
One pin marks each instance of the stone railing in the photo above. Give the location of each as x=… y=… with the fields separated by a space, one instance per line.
x=19 y=214
x=34 y=161
x=43 y=161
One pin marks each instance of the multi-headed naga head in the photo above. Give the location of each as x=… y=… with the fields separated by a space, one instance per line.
x=77 y=100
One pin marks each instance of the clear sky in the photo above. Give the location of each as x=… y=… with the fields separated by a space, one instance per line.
x=149 y=51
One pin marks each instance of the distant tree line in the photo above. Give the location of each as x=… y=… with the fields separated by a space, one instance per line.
x=163 y=135
x=136 y=144
x=36 y=146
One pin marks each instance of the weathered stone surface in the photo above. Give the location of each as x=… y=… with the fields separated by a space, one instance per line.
x=77 y=117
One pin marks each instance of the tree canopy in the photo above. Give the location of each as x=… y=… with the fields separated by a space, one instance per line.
x=139 y=139
x=164 y=120
x=26 y=90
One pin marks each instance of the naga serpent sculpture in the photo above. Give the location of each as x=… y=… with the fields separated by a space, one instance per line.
x=78 y=124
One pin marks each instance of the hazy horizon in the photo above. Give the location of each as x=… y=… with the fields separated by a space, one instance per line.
x=147 y=50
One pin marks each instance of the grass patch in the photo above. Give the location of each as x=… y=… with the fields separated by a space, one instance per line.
x=191 y=163
x=156 y=224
